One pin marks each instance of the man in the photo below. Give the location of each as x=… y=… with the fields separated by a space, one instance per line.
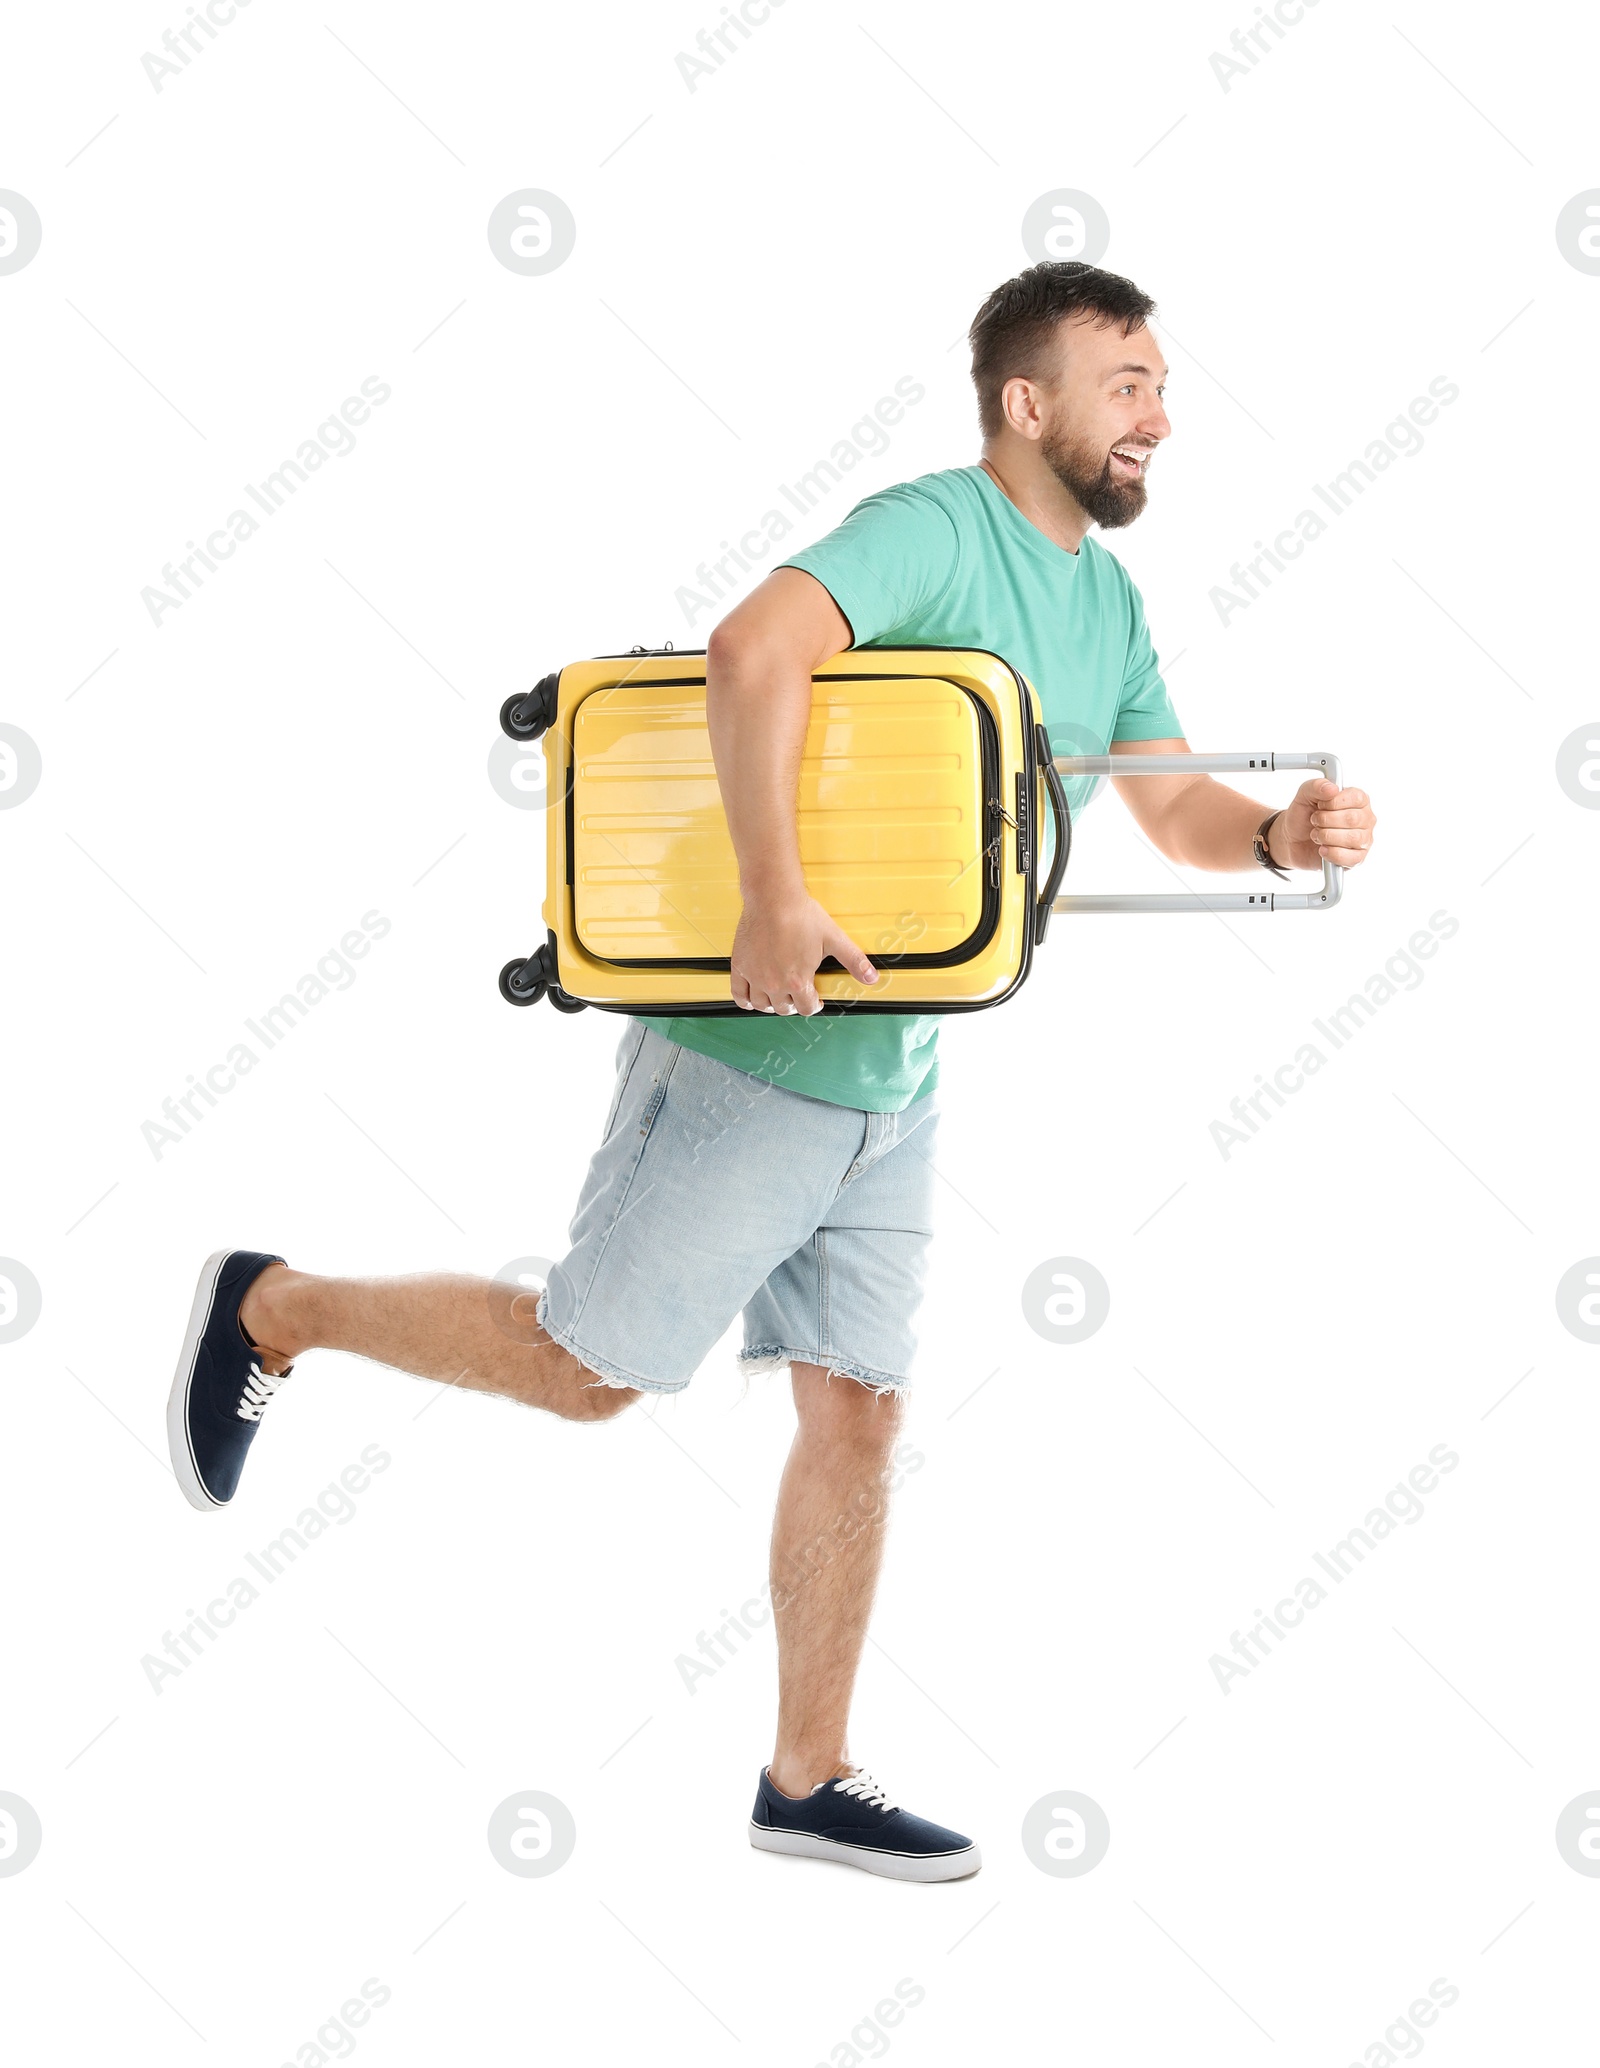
x=809 y=1212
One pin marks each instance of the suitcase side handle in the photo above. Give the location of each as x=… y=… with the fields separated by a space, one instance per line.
x=1200 y=901
x=1057 y=791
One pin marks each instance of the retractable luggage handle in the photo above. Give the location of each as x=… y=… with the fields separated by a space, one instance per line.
x=1192 y=900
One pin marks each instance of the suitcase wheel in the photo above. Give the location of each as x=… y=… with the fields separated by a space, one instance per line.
x=522 y=981
x=563 y=1001
x=531 y=712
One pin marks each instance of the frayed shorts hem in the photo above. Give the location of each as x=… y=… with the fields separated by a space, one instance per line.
x=605 y=1372
x=770 y=1356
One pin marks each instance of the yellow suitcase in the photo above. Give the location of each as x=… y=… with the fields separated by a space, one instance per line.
x=925 y=780
x=924 y=776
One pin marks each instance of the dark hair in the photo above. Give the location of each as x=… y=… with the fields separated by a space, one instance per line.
x=1014 y=330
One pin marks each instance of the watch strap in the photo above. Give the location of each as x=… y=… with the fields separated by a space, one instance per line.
x=1262 y=852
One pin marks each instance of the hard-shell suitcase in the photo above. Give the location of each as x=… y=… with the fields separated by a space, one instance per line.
x=924 y=786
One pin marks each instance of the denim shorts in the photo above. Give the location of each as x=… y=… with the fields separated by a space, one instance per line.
x=715 y=1193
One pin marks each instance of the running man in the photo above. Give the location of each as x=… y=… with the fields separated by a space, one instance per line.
x=810 y=1215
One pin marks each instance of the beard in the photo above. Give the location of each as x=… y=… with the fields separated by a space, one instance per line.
x=1086 y=474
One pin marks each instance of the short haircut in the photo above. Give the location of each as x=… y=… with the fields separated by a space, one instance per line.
x=1013 y=334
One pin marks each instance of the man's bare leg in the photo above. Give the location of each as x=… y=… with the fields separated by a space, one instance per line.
x=472 y=1332
x=833 y=1501
x=827 y=1547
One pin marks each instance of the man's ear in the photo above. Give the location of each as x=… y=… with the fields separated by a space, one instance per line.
x=1019 y=403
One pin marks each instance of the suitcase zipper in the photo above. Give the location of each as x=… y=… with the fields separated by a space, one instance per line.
x=997 y=845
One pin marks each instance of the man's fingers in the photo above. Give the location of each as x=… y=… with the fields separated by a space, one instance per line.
x=788 y=963
x=1340 y=823
x=787 y=998
x=802 y=999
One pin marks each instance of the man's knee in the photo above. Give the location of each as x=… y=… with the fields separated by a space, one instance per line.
x=841 y=1409
x=569 y=1389
x=597 y=1400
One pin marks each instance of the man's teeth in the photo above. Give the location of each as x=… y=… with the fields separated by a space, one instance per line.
x=1136 y=453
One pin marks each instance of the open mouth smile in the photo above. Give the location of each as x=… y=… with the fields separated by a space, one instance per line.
x=1128 y=462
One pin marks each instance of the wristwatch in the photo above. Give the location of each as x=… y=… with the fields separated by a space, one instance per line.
x=1260 y=849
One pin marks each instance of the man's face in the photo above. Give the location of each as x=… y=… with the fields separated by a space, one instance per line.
x=1103 y=418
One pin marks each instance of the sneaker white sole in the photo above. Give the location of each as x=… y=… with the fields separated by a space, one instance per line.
x=897 y=1866
x=183 y=1464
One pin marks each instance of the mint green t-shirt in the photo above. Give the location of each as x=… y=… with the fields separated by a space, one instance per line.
x=948 y=560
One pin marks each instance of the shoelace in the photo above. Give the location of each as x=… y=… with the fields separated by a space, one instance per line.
x=863 y=1785
x=258 y=1390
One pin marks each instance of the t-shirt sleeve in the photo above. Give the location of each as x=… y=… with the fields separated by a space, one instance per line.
x=887 y=564
x=1144 y=710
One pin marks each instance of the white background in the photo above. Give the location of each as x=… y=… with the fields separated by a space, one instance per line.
x=1292 y=1328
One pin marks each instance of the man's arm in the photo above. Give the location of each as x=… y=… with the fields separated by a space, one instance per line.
x=1196 y=820
x=759 y=663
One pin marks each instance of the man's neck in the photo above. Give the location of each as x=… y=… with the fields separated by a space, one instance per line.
x=1040 y=497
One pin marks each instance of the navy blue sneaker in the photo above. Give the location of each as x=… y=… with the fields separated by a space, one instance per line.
x=854 y=1821
x=220 y=1391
